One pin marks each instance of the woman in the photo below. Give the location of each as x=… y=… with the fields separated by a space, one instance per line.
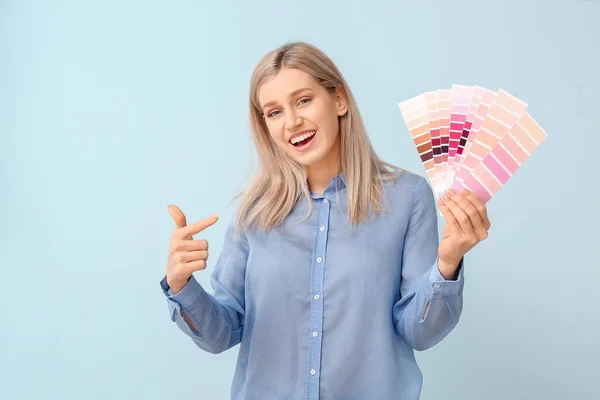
x=332 y=273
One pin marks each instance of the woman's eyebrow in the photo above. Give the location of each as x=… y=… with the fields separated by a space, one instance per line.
x=294 y=93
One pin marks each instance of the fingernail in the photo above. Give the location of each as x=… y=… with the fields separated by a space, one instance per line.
x=452 y=192
x=445 y=198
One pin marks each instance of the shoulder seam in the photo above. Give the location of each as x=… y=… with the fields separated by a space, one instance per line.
x=417 y=189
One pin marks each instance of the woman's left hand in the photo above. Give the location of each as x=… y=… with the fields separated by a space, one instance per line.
x=467 y=224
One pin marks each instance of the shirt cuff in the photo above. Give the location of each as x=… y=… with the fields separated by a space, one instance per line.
x=187 y=296
x=442 y=287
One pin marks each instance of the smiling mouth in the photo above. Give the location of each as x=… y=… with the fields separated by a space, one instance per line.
x=304 y=139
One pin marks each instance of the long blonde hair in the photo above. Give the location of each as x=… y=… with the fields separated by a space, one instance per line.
x=280 y=180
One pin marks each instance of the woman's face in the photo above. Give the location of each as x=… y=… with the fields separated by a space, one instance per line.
x=302 y=116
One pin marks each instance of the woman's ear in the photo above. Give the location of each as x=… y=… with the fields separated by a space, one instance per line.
x=341 y=102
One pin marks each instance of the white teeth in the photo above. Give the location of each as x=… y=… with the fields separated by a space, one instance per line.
x=302 y=137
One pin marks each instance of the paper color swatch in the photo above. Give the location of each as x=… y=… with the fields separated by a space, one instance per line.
x=470 y=137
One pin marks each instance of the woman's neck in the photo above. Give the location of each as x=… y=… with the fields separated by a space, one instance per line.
x=319 y=180
x=319 y=175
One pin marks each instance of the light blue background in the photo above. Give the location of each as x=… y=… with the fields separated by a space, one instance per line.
x=109 y=112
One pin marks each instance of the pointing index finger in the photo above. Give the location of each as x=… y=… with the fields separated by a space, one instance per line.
x=199 y=226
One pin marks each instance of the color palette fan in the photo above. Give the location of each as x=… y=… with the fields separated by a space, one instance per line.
x=471 y=137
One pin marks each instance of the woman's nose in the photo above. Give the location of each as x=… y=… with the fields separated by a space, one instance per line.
x=292 y=121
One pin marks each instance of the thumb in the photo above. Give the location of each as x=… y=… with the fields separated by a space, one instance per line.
x=177 y=215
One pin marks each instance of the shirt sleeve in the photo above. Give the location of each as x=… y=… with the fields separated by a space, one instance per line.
x=429 y=306
x=218 y=318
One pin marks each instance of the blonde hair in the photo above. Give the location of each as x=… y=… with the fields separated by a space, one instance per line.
x=280 y=180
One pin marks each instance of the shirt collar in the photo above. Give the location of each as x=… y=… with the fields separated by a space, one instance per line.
x=336 y=183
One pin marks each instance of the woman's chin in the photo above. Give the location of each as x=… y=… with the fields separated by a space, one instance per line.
x=309 y=159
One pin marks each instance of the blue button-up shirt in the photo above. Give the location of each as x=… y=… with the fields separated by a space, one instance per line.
x=322 y=310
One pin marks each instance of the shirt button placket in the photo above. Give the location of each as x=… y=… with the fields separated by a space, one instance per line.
x=316 y=308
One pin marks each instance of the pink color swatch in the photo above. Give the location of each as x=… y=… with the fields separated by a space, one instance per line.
x=471 y=137
x=460 y=105
x=507 y=156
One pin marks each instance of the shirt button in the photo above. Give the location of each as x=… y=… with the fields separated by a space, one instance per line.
x=322 y=228
x=315 y=334
x=317 y=297
x=436 y=285
x=312 y=372
x=325 y=201
x=319 y=259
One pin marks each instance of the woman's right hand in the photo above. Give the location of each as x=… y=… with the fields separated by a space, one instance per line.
x=186 y=255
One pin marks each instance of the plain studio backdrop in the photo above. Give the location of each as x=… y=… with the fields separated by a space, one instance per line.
x=110 y=111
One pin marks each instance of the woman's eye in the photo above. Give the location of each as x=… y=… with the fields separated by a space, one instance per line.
x=274 y=113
